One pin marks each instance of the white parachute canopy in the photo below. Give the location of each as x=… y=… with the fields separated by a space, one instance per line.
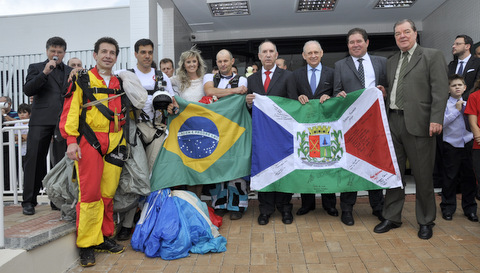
x=134 y=89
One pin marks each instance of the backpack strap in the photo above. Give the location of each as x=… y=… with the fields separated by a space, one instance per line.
x=233 y=81
x=84 y=129
x=160 y=84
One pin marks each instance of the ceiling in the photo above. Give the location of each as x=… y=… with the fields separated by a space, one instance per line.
x=277 y=18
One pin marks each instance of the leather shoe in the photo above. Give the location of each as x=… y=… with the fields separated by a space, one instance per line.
x=52 y=205
x=447 y=216
x=28 y=209
x=347 y=218
x=332 y=211
x=236 y=215
x=379 y=215
x=287 y=217
x=472 y=217
x=304 y=210
x=425 y=232
x=220 y=212
x=263 y=219
x=124 y=234
x=385 y=226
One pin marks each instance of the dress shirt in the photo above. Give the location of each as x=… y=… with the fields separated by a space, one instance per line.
x=367 y=69
x=393 y=94
x=318 y=72
x=465 y=61
x=264 y=76
x=454 y=131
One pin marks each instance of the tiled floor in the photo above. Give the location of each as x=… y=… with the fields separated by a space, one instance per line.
x=317 y=242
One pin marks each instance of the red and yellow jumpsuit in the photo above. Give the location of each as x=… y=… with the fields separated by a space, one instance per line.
x=98 y=174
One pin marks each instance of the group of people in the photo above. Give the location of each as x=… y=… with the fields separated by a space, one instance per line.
x=86 y=117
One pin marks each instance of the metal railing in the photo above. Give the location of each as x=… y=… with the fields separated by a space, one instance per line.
x=14 y=69
x=16 y=174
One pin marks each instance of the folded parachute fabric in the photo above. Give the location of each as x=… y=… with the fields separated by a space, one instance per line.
x=170 y=227
x=200 y=206
x=148 y=218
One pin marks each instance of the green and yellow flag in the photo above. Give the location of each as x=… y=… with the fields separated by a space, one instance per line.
x=206 y=143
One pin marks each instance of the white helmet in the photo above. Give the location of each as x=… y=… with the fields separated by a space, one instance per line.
x=161 y=99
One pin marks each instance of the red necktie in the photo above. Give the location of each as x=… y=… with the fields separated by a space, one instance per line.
x=267 y=80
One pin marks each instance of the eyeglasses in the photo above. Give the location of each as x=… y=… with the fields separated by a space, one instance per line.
x=457 y=44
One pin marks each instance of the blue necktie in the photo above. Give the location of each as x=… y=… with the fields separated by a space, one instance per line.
x=313 y=81
x=460 y=69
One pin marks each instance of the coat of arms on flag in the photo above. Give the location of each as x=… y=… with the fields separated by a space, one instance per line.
x=341 y=145
x=324 y=144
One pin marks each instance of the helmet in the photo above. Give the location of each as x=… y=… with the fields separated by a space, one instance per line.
x=161 y=99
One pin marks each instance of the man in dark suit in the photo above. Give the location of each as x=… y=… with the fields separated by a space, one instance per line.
x=416 y=100
x=467 y=66
x=314 y=81
x=464 y=63
x=271 y=81
x=357 y=71
x=46 y=82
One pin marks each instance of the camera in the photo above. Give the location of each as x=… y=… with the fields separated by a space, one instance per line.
x=3 y=105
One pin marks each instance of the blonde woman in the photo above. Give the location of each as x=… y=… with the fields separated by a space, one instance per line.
x=188 y=84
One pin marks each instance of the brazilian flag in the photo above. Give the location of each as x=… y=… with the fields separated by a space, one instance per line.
x=206 y=144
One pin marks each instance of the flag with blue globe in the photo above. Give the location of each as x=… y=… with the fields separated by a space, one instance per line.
x=206 y=144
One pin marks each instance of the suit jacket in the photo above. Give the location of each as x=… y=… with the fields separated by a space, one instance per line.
x=425 y=89
x=471 y=72
x=325 y=85
x=347 y=78
x=48 y=93
x=281 y=84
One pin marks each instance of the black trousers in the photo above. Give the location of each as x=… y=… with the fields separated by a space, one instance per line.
x=271 y=200
x=458 y=168
x=38 y=142
x=348 y=199
x=329 y=200
x=476 y=163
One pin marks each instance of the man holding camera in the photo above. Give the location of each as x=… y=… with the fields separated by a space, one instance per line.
x=47 y=82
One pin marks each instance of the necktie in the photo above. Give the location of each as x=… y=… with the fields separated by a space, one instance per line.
x=399 y=96
x=460 y=69
x=313 y=81
x=267 y=80
x=465 y=118
x=361 y=72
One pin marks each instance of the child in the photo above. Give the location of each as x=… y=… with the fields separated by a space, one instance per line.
x=457 y=160
x=24 y=111
x=473 y=112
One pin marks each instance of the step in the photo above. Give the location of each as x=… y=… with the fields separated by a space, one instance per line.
x=40 y=243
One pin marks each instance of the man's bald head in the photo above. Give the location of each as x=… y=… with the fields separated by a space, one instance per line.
x=225 y=52
x=225 y=62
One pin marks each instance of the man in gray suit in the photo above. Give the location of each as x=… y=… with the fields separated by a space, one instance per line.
x=357 y=71
x=416 y=100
